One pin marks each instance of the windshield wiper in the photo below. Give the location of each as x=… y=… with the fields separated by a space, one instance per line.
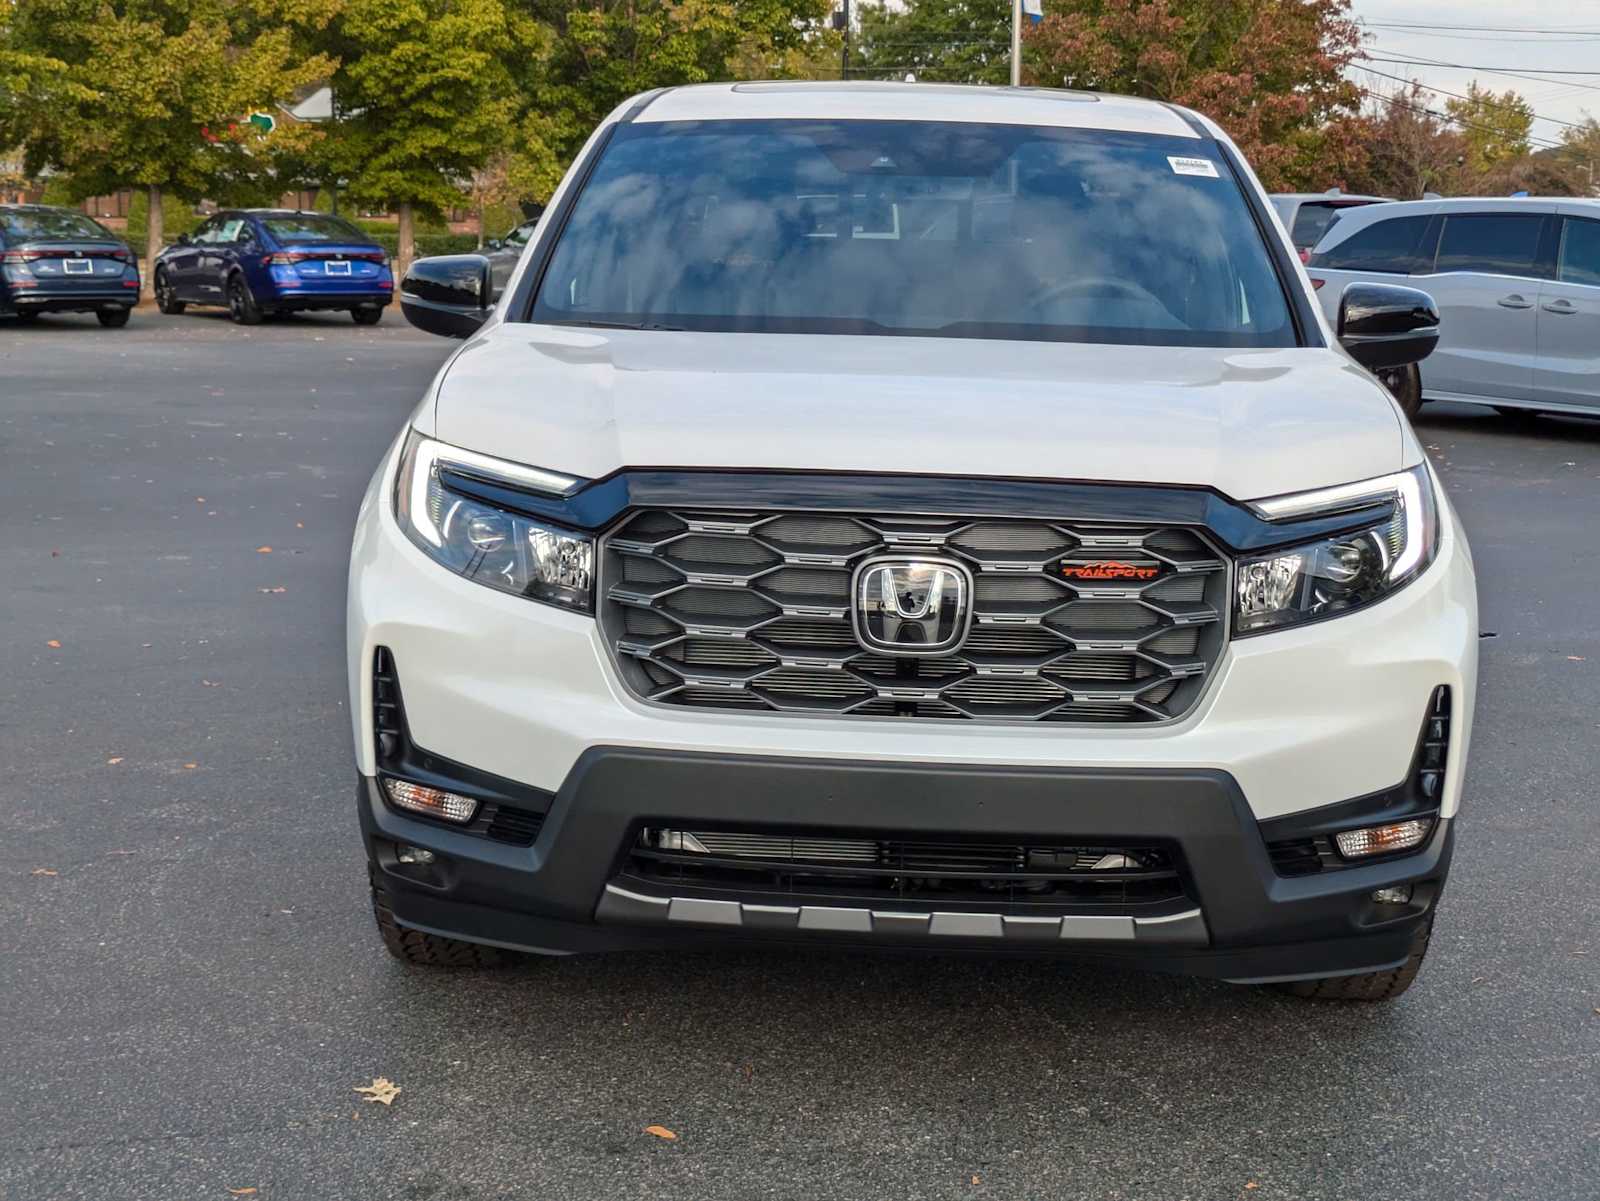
x=626 y=325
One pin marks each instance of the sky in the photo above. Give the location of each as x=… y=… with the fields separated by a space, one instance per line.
x=1505 y=40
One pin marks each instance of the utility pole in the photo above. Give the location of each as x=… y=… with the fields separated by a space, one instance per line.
x=1016 y=43
x=844 y=57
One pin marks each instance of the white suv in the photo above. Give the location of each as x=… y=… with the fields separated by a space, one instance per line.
x=912 y=516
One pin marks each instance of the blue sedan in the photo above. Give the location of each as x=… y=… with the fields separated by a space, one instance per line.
x=259 y=261
x=55 y=260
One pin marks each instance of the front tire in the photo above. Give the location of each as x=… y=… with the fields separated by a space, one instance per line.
x=166 y=299
x=242 y=305
x=1369 y=986
x=366 y=316
x=1405 y=385
x=26 y=316
x=419 y=949
x=113 y=318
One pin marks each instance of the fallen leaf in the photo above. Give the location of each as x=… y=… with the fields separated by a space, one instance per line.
x=54 y=644
x=243 y=1192
x=191 y=766
x=45 y=871
x=209 y=684
x=661 y=1132
x=199 y=500
x=263 y=550
x=114 y=760
x=1250 y=1184
x=299 y=525
x=975 y=1180
x=382 y=1090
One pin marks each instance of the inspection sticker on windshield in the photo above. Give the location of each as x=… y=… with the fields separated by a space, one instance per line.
x=1192 y=166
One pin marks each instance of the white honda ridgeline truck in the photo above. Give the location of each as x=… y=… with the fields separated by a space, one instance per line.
x=910 y=516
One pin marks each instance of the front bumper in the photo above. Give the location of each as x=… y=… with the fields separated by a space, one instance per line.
x=1297 y=720
x=1241 y=921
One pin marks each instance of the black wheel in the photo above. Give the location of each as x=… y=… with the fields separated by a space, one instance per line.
x=1369 y=986
x=113 y=318
x=1405 y=385
x=166 y=299
x=367 y=316
x=241 y=305
x=425 y=950
x=26 y=316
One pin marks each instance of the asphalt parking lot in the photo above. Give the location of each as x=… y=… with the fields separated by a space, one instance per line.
x=192 y=986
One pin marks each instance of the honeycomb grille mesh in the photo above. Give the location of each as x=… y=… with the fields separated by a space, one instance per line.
x=1072 y=622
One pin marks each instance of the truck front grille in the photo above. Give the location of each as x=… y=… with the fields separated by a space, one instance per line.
x=1072 y=621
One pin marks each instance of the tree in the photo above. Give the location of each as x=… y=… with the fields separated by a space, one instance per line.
x=1411 y=148
x=1580 y=145
x=600 y=52
x=1270 y=72
x=1494 y=127
x=425 y=99
x=944 y=41
x=138 y=86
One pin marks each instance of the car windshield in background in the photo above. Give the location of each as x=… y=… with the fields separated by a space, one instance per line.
x=48 y=225
x=313 y=227
x=922 y=228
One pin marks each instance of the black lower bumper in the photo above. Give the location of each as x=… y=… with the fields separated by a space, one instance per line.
x=75 y=302
x=305 y=302
x=553 y=896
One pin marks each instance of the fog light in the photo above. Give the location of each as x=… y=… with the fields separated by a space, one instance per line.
x=432 y=801
x=406 y=853
x=1398 y=895
x=1383 y=840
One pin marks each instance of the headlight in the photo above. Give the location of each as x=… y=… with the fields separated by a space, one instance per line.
x=1335 y=575
x=486 y=544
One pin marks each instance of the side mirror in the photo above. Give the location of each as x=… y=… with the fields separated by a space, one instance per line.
x=450 y=295
x=493 y=243
x=185 y=240
x=1383 y=325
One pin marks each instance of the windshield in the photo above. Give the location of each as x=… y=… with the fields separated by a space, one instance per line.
x=51 y=225
x=952 y=229
x=313 y=227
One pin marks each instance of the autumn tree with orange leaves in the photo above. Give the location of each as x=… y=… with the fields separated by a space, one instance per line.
x=1268 y=71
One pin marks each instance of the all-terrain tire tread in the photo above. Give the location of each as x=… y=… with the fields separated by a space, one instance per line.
x=427 y=950
x=1368 y=986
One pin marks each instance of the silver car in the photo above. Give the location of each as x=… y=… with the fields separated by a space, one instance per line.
x=503 y=253
x=1517 y=284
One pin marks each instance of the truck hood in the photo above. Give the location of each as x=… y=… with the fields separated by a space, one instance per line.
x=1248 y=423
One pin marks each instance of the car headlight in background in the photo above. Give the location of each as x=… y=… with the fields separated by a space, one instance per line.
x=486 y=544
x=1335 y=575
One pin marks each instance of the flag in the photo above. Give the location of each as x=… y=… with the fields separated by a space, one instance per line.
x=1034 y=9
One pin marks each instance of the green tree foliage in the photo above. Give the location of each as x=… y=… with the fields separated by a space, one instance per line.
x=600 y=52
x=939 y=41
x=1495 y=127
x=150 y=93
x=425 y=98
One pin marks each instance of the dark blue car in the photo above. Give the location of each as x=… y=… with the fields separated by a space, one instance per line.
x=259 y=261
x=55 y=260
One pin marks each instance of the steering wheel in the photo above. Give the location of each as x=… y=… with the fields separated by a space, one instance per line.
x=1090 y=285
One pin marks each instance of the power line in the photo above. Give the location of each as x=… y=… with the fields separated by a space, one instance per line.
x=1453 y=27
x=1446 y=117
x=1512 y=71
x=1463 y=96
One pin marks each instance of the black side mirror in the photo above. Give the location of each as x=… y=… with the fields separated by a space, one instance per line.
x=450 y=295
x=184 y=240
x=1383 y=325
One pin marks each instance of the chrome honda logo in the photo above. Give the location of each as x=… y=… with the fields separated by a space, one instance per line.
x=906 y=605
